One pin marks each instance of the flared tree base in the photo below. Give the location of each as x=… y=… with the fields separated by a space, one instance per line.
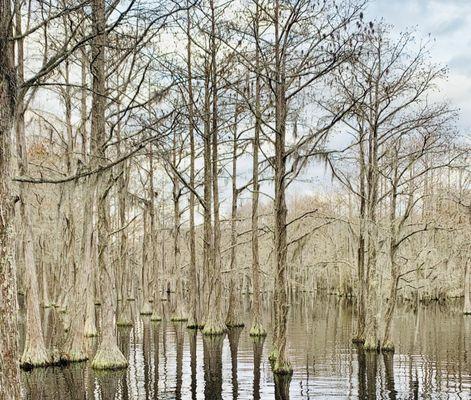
x=282 y=368
x=387 y=347
x=371 y=344
x=155 y=317
x=109 y=359
x=73 y=357
x=257 y=331
x=194 y=325
x=34 y=359
x=214 y=329
x=358 y=340
x=124 y=322
x=282 y=383
x=235 y=324
x=146 y=309
x=179 y=318
x=273 y=356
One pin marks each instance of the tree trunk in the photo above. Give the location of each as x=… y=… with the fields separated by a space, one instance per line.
x=214 y=322
x=467 y=289
x=282 y=365
x=108 y=355
x=179 y=313
x=194 y=315
x=9 y=350
x=257 y=328
x=233 y=314
x=35 y=353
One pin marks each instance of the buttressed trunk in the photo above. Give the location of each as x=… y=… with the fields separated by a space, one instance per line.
x=35 y=352
x=257 y=328
x=9 y=351
x=108 y=355
x=281 y=365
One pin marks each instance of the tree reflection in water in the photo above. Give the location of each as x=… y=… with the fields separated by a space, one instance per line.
x=169 y=361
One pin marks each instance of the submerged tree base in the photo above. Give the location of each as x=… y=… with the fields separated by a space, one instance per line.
x=358 y=340
x=155 y=317
x=194 y=325
x=235 y=324
x=179 y=318
x=273 y=356
x=73 y=357
x=282 y=383
x=282 y=368
x=387 y=346
x=257 y=331
x=146 y=309
x=30 y=360
x=109 y=358
x=214 y=329
x=124 y=322
x=371 y=344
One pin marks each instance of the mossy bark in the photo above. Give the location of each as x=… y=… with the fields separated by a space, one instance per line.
x=124 y=313
x=258 y=331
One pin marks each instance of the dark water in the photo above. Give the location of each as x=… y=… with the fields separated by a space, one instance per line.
x=167 y=361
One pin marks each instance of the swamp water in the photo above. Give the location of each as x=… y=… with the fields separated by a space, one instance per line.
x=168 y=361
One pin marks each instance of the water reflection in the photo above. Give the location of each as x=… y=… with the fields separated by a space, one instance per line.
x=168 y=361
x=212 y=346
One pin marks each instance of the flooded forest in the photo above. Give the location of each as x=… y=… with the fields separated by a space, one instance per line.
x=229 y=199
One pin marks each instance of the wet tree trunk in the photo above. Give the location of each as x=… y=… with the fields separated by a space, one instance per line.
x=9 y=350
x=361 y=307
x=179 y=313
x=157 y=266
x=214 y=324
x=282 y=365
x=467 y=289
x=467 y=279
x=146 y=307
x=88 y=264
x=207 y=195
x=257 y=328
x=194 y=314
x=74 y=348
x=108 y=355
x=372 y=182
x=124 y=307
x=35 y=353
x=386 y=343
x=233 y=315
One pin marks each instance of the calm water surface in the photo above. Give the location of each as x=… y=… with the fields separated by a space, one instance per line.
x=167 y=361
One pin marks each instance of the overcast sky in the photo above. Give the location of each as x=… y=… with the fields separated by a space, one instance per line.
x=449 y=23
